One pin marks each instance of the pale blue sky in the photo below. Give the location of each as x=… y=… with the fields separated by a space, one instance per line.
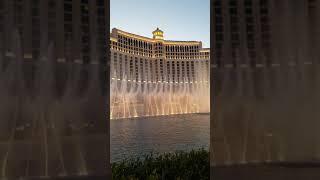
x=187 y=20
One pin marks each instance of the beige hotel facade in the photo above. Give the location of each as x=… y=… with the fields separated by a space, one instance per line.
x=153 y=60
x=154 y=76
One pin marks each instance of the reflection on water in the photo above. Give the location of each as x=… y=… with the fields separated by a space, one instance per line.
x=138 y=136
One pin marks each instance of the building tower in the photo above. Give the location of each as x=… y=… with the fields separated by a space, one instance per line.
x=157 y=34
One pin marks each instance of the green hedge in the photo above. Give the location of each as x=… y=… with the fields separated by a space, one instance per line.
x=193 y=165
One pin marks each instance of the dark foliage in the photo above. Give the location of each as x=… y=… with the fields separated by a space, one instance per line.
x=193 y=165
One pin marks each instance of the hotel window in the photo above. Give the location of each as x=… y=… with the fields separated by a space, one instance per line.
x=101 y=21
x=136 y=61
x=312 y=4
x=248 y=11
x=218 y=54
x=68 y=7
x=84 y=9
x=250 y=36
x=248 y=2
x=86 y=49
x=36 y=31
x=52 y=4
x=120 y=67
x=233 y=3
x=36 y=43
x=252 y=54
x=101 y=30
x=234 y=19
x=35 y=35
x=264 y=19
x=183 y=64
x=52 y=14
x=35 y=12
x=265 y=36
x=147 y=64
x=233 y=11
x=218 y=11
x=35 y=53
x=173 y=70
x=264 y=11
x=141 y=68
x=152 y=68
x=85 y=29
x=17 y=6
x=235 y=36
x=115 y=68
x=100 y=2
x=251 y=45
x=249 y=19
x=266 y=44
x=234 y=28
x=85 y=19
x=67 y=17
x=217 y=3
x=219 y=36
x=265 y=28
x=250 y=28
x=263 y=2
x=68 y=28
x=35 y=1
x=207 y=64
x=131 y=65
x=18 y=19
x=234 y=55
x=126 y=61
x=101 y=42
x=86 y=59
x=219 y=20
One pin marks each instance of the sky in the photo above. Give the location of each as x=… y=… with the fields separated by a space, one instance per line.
x=185 y=20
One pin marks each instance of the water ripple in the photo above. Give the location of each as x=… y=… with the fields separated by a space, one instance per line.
x=138 y=136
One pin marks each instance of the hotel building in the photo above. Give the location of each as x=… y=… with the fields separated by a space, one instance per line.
x=76 y=28
x=53 y=59
x=241 y=32
x=266 y=57
x=154 y=76
x=257 y=33
x=155 y=59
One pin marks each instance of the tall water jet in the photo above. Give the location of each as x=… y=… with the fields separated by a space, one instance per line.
x=159 y=98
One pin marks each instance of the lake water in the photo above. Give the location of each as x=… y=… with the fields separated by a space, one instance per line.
x=135 y=137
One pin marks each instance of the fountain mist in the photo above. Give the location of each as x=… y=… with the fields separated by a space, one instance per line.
x=268 y=112
x=52 y=121
x=137 y=98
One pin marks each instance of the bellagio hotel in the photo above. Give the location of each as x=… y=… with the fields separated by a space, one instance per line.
x=143 y=59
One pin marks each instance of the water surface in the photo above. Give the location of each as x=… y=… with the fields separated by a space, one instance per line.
x=138 y=136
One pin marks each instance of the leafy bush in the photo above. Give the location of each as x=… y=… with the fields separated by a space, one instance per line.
x=193 y=165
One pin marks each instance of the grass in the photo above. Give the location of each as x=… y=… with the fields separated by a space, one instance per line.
x=193 y=165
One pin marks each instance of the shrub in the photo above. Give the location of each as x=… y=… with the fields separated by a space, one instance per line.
x=169 y=166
